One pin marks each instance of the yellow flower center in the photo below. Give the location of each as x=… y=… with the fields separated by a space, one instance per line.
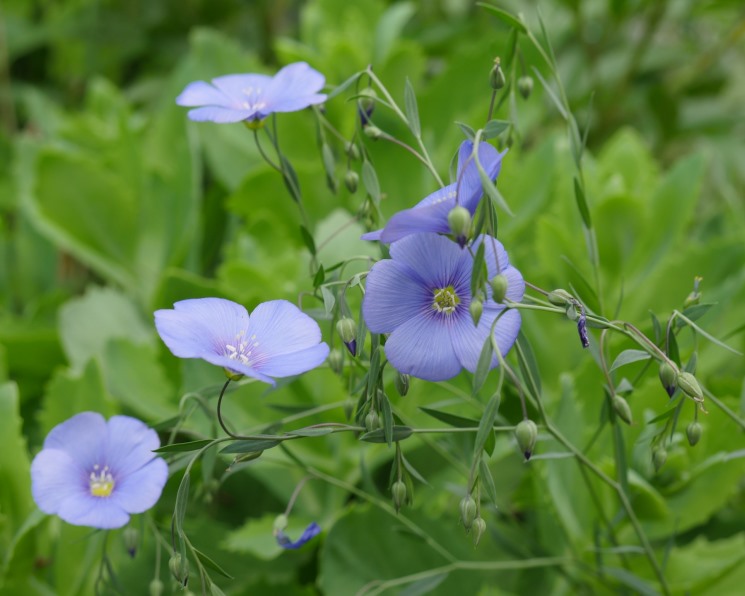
x=445 y=300
x=101 y=481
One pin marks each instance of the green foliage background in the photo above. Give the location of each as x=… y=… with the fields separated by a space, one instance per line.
x=112 y=205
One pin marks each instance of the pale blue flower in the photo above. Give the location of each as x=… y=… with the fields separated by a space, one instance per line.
x=96 y=473
x=421 y=297
x=252 y=97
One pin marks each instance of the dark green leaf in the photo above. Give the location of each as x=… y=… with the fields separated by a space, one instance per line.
x=627 y=357
x=181 y=447
x=695 y=312
x=528 y=365
x=486 y=426
x=399 y=433
x=552 y=95
x=308 y=239
x=479 y=271
x=579 y=194
x=319 y=277
x=483 y=366
x=182 y=500
x=291 y=180
x=487 y=481
x=344 y=86
x=251 y=445
x=207 y=562
x=387 y=418
x=494 y=128
x=490 y=189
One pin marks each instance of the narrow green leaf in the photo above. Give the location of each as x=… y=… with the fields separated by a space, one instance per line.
x=413 y=471
x=487 y=481
x=450 y=419
x=483 y=366
x=424 y=586
x=479 y=270
x=672 y=345
x=657 y=327
x=370 y=180
x=486 y=426
x=399 y=433
x=547 y=39
x=251 y=445
x=627 y=357
x=329 y=165
x=528 y=365
x=695 y=312
x=385 y=410
x=344 y=86
x=467 y=130
x=208 y=562
x=579 y=194
x=509 y=55
x=291 y=180
x=504 y=16
x=373 y=372
x=311 y=432
x=494 y=128
x=490 y=189
x=182 y=447
x=412 y=110
x=628 y=579
x=182 y=500
x=319 y=277
x=551 y=94
x=328 y=299
x=308 y=240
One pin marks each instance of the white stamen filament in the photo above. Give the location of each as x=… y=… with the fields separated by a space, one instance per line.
x=101 y=481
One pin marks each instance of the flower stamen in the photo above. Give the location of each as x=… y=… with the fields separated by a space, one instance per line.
x=101 y=481
x=445 y=300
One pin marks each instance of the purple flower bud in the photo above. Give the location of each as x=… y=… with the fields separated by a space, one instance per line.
x=283 y=540
x=582 y=329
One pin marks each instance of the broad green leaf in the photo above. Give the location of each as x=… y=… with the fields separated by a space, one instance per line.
x=627 y=357
x=250 y=445
x=389 y=28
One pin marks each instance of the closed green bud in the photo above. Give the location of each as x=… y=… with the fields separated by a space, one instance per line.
x=131 y=537
x=352 y=151
x=351 y=180
x=156 y=587
x=459 y=220
x=398 y=490
x=668 y=378
x=693 y=432
x=659 y=457
x=179 y=568
x=499 y=287
x=694 y=297
x=402 y=382
x=373 y=132
x=560 y=297
x=366 y=100
x=526 y=433
x=496 y=76
x=621 y=406
x=689 y=385
x=347 y=329
x=467 y=511
x=525 y=86
x=372 y=421
x=336 y=361
x=476 y=308
x=479 y=527
x=280 y=522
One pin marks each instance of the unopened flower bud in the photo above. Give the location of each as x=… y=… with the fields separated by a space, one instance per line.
x=366 y=104
x=525 y=86
x=351 y=180
x=352 y=151
x=572 y=313
x=179 y=568
x=499 y=287
x=467 y=511
x=621 y=406
x=398 y=490
x=373 y=132
x=347 y=330
x=582 y=330
x=156 y=587
x=659 y=457
x=476 y=308
x=372 y=421
x=131 y=537
x=694 y=297
x=496 y=76
x=401 y=383
x=526 y=433
x=689 y=385
x=693 y=432
x=280 y=523
x=459 y=220
x=668 y=378
x=336 y=361
x=560 y=297
x=479 y=527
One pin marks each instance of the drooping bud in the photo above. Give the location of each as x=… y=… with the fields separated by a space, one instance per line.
x=479 y=527
x=336 y=361
x=351 y=180
x=499 y=287
x=352 y=151
x=398 y=490
x=689 y=385
x=496 y=76
x=347 y=330
x=621 y=406
x=401 y=382
x=582 y=329
x=179 y=568
x=659 y=457
x=280 y=523
x=467 y=511
x=373 y=132
x=156 y=587
x=693 y=432
x=459 y=220
x=560 y=297
x=372 y=421
x=366 y=104
x=476 y=308
x=526 y=433
x=694 y=297
x=525 y=86
x=131 y=537
x=668 y=378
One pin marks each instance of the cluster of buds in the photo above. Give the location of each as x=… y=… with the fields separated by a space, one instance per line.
x=179 y=567
x=672 y=379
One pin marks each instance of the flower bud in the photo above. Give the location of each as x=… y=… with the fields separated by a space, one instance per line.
x=366 y=104
x=467 y=511
x=352 y=151
x=689 y=385
x=476 y=308
x=694 y=297
x=401 y=383
x=479 y=527
x=398 y=490
x=496 y=76
x=336 y=361
x=179 y=568
x=131 y=537
x=668 y=378
x=351 y=180
x=525 y=86
x=459 y=220
x=560 y=297
x=693 y=432
x=156 y=587
x=372 y=421
x=347 y=330
x=499 y=287
x=659 y=457
x=526 y=433
x=582 y=330
x=621 y=406
x=373 y=132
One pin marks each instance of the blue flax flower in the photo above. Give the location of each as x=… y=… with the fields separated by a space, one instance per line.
x=252 y=97
x=431 y=214
x=96 y=473
x=421 y=296
x=277 y=340
x=283 y=540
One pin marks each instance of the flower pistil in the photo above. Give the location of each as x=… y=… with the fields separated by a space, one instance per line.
x=446 y=300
